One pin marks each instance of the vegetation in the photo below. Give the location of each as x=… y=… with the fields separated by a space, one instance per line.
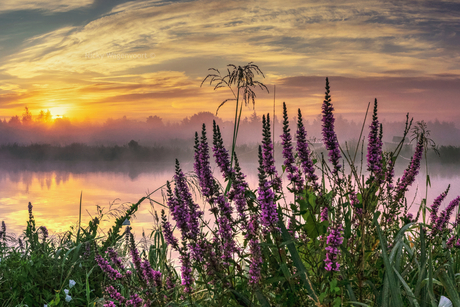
x=338 y=234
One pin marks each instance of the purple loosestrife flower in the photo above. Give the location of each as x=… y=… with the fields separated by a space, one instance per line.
x=444 y=217
x=450 y=242
x=205 y=177
x=374 y=148
x=266 y=198
x=329 y=136
x=44 y=231
x=30 y=211
x=293 y=173
x=225 y=230
x=389 y=175
x=357 y=212
x=324 y=214
x=105 y=266
x=169 y=283
x=150 y=275
x=435 y=206
x=134 y=301
x=135 y=254
x=186 y=271
x=110 y=304
x=115 y=295
x=177 y=209
x=115 y=259
x=237 y=193
x=409 y=174
x=304 y=153
x=255 y=266
x=220 y=153
x=334 y=240
x=267 y=155
x=197 y=164
x=184 y=197
x=457 y=244
x=168 y=233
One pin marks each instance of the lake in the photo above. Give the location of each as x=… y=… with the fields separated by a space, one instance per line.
x=54 y=190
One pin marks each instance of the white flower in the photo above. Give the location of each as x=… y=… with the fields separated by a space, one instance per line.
x=71 y=283
x=66 y=291
x=80 y=265
x=68 y=298
x=45 y=305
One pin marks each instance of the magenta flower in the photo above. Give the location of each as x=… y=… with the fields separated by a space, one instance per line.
x=134 y=301
x=220 y=153
x=435 y=206
x=186 y=270
x=237 y=193
x=329 y=136
x=293 y=173
x=409 y=174
x=167 y=232
x=267 y=155
x=204 y=173
x=225 y=230
x=444 y=217
x=324 y=214
x=304 y=153
x=374 y=148
x=334 y=240
x=255 y=267
x=266 y=198
x=115 y=259
x=105 y=266
x=115 y=295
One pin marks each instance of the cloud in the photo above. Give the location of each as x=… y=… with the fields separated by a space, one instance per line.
x=43 y=5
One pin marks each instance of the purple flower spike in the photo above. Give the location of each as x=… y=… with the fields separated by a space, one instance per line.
x=220 y=153
x=334 y=240
x=134 y=301
x=444 y=217
x=105 y=266
x=389 y=175
x=255 y=251
x=205 y=177
x=450 y=242
x=374 y=148
x=293 y=173
x=304 y=153
x=324 y=214
x=409 y=174
x=178 y=211
x=186 y=209
x=44 y=231
x=225 y=230
x=237 y=193
x=186 y=270
x=167 y=232
x=435 y=206
x=267 y=155
x=266 y=199
x=115 y=295
x=329 y=136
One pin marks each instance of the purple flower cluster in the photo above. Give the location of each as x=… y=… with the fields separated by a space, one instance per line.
x=167 y=232
x=357 y=212
x=115 y=295
x=293 y=173
x=239 y=185
x=374 y=148
x=266 y=198
x=450 y=242
x=389 y=175
x=225 y=230
x=185 y=205
x=105 y=266
x=44 y=231
x=329 y=136
x=409 y=174
x=324 y=214
x=304 y=153
x=30 y=211
x=220 y=153
x=178 y=211
x=202 y=165
x=237 y=193
x=134 y=301
x=186 y=270
x=435 y=206
x=267 y=155
x=110 y=304
x=151 y=276
x=444 y=217
x=334 y=240
x=255 y=267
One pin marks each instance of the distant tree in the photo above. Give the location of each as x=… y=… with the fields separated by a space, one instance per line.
x=155 y=121
x=133 y=145
x=44 y=117
x=15 y=121
x=26 y=116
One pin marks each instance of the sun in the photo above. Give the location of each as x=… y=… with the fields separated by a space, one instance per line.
x=58 y=112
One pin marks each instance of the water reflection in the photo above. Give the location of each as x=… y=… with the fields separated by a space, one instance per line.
x=54 y=190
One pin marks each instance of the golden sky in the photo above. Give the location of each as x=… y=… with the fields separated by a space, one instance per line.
x=99 y=59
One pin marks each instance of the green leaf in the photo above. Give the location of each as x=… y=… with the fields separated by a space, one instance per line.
x=262 y=299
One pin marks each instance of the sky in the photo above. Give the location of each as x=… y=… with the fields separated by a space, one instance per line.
x=99 y=59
